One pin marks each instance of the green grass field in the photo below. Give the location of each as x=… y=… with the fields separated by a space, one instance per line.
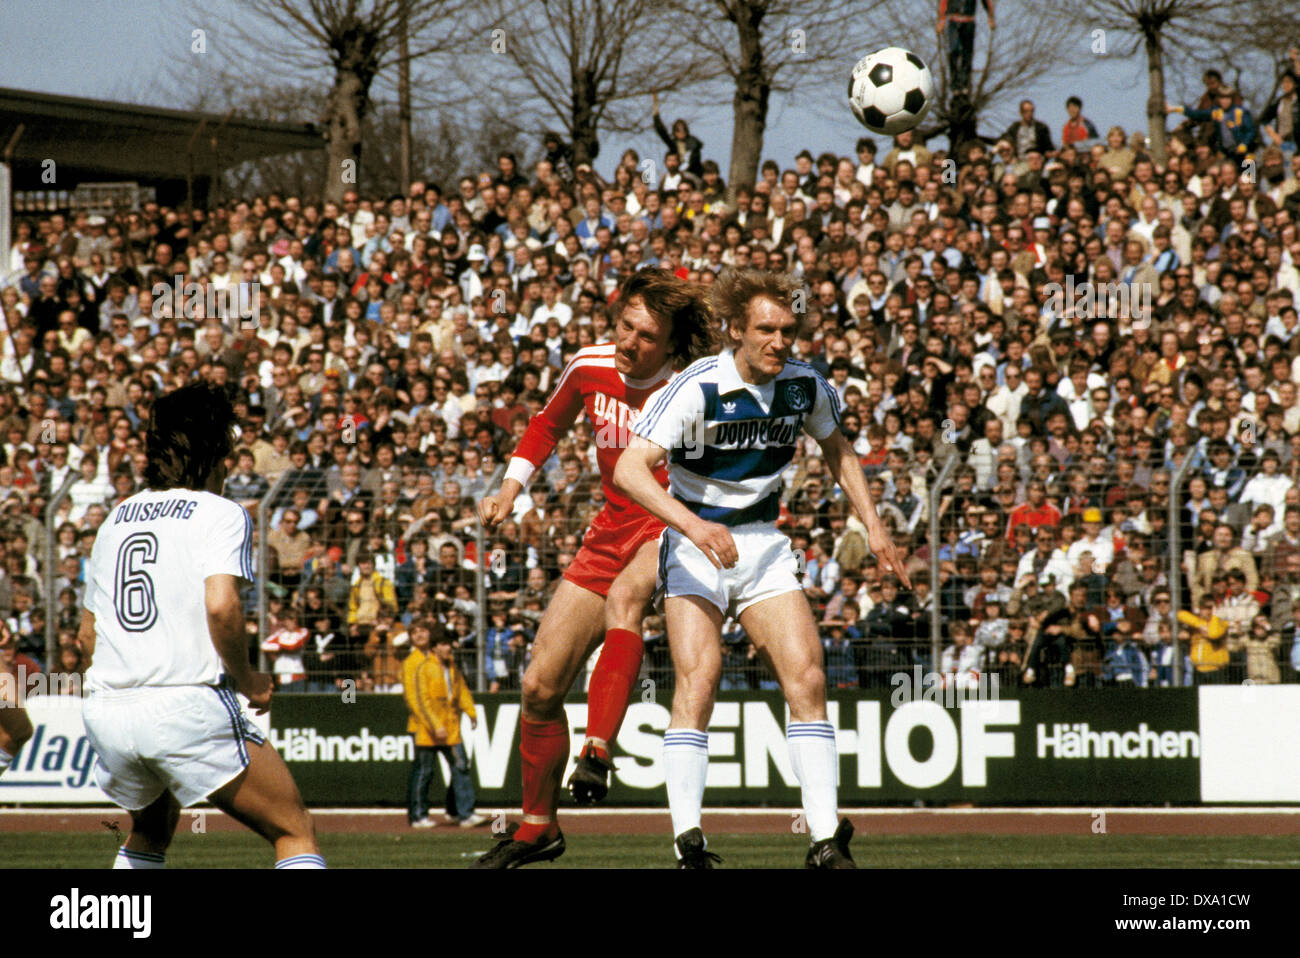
x=365 y=850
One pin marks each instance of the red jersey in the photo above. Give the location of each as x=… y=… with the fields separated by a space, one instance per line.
x=612 y=402
x=1026 y=515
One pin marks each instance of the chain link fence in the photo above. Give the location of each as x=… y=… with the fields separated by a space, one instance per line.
x=1056 y=562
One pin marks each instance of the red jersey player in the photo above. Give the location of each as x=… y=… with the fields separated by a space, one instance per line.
x=660 y=324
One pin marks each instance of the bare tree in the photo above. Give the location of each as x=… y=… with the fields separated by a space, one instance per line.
x=589 y=64
x=1031 y=41
x=444 y=142
x=348 y=43
x=771 y=46
x=1181 y=29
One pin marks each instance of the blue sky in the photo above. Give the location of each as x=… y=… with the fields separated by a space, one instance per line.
x=119 y=49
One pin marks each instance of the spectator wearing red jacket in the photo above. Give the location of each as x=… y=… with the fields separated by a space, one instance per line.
x=286 y=645
x=1034 y=512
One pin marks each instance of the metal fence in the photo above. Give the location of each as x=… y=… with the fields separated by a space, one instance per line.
x=350 y=560
x=1013 y=603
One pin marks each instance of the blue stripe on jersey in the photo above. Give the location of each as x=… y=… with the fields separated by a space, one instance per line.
x=739 y=404
x=662 y=399
x=246 y=554
x=765 y=510
x=734 y=465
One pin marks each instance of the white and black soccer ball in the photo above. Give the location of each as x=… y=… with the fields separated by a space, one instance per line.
x=890 y=90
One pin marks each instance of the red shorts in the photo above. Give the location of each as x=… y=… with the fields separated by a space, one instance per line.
x=609 y=546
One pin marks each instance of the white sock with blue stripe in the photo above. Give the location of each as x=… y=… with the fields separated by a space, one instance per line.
x=686 y=766
x=138 y=861
x=816 y=765
x=301 y=861
x=5 y=760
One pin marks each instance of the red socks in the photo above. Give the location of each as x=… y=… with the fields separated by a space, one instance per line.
x=611 y=684
x=543 y=748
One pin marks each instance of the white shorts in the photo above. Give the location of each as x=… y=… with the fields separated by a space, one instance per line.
x=189 y=739
x=767 y=567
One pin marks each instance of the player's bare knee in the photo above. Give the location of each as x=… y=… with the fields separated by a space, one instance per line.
x=541 y=697
x=805 y=693
x=623 y=607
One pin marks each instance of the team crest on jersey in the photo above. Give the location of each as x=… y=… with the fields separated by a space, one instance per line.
x=797 y=398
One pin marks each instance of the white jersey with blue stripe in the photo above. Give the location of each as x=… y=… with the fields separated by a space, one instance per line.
x=728 y=440
x=145 y=586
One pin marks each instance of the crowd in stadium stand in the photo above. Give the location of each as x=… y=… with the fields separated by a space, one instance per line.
x=972 y=306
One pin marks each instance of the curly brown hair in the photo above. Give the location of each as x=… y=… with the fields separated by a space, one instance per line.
x=737 y=288
x=695 y=331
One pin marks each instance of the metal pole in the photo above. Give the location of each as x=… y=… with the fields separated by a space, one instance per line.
x=1176 y=560
x=7 y=200
x=480 y=592
x=263 y=515
x=51 y=547
x=936 y=625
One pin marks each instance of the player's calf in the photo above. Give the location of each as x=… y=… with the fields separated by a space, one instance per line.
x=152 y=829
x=266 y=799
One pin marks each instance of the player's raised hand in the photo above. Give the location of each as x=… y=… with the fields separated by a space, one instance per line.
x=495 y=509
x=886 y=554
x=715 y=541
x=257 y=689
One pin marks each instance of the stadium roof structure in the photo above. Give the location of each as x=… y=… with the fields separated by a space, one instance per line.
x=102 y=139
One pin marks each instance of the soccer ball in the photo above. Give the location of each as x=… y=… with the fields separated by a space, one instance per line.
x=890 y=90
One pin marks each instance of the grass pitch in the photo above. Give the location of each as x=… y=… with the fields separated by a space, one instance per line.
x=454 y=850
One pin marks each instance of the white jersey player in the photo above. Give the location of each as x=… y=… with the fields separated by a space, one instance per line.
x=728 y=426
x=164 y=627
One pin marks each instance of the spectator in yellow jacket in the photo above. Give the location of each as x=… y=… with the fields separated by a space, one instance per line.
x=371 y=593
x=436 y=694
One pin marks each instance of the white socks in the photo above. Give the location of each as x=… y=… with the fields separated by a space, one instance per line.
x=138 y=861
x=816 y=765
x=686 y=766
x=128 y=859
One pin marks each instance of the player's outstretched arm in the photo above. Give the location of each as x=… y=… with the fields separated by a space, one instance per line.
x=226 y=626
x=842 y=461
x=634 y=475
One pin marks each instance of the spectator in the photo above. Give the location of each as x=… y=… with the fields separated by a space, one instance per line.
x=964 y=661
x=1078 y=127
x=286 y=646
x=438 y=697
x=1028 y=133
x=1125 y=664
